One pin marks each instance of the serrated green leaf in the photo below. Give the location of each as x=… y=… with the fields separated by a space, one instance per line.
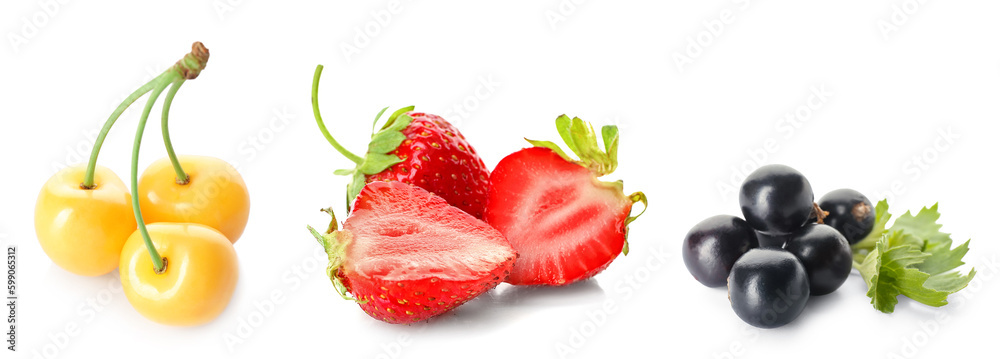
x=943 y=258
x=902 y=238
x=950 y=282
x=923 y=225
x=889 y=273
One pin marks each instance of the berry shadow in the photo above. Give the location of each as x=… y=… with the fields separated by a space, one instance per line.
x=504 y=305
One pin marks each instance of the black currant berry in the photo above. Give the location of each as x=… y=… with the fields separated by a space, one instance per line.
x=768 y=287
x=713 y=245
x=776 y=199
x=824 y=253
x=771 y=240
x=851 y=213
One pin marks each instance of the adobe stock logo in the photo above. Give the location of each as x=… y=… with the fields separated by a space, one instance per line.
x=714 y=28
x=366 y=33
x=32 y=25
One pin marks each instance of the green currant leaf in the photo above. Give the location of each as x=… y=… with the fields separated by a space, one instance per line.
x=912 y=258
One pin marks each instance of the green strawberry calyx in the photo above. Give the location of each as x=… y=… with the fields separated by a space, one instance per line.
x=379 y=156
x=581 y=138
x=335 y=244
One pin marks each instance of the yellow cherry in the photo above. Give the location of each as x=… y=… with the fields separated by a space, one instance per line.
x=214 y=195
x=198 y=280
x=83 y=230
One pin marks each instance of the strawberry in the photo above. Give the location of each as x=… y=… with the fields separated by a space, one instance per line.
x=565 y=224
x=407 y=255
x=419 y=149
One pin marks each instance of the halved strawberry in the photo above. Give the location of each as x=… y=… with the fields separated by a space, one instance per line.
x=419 y=149
x=407 y=255
x=565 y=224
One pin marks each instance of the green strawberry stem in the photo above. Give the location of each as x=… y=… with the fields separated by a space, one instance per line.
x=188 y=67
x=158 y=262
x=379 y=155
x=319 y=120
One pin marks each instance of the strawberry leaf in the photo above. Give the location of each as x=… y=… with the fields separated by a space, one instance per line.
x=552 y=146
x=377 y=162
x=378 y=116
x=385 y=141
x=610 y=136
x=391 y=122
x=335 y=248
x=563 y=125
x=353 y=188
x=585 y=141
x=581 y=139
x=379 y=156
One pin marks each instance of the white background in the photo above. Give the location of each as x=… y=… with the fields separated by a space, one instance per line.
x=896 y=76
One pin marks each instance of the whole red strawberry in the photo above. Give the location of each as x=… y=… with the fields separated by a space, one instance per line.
x=407 y=255
x=565 y=224
x=419 y=149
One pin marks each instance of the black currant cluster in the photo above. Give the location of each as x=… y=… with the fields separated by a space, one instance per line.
x=787 y=249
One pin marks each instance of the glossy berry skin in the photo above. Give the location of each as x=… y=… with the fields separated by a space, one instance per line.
x=851 y=213
x=824 y=253
x=437 y=157
x=199 y=280
x=215 y=195
x=713 y=245
x=771 y=240
x=768 y=287
x=776 y=199
x=83 y=230
x=406 y=255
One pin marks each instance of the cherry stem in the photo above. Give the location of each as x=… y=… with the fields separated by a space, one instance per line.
x=182 y=177
x=319 y=120
x=188 y=67
x=157 y=260
x=88 y=179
